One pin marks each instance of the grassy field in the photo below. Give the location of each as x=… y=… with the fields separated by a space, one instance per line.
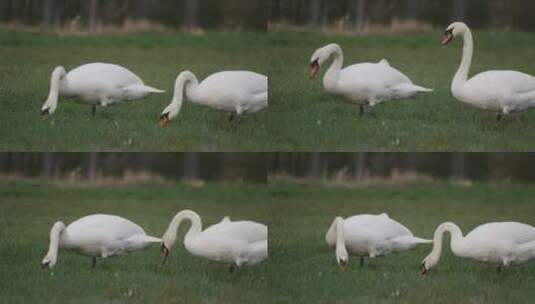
x=27 y=61
x=306 y=271
x=28 y=211
x=305 y=118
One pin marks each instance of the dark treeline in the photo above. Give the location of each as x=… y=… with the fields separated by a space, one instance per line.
x=360 y=14
x=93 y=14
x=250 y=167
x=454 y=166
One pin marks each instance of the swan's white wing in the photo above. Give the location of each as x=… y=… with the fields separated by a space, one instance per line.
x=510 y=81
x=101 y=75
x=243 y=230
x=515 y=232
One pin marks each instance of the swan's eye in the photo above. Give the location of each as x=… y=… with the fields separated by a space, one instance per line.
x=449 y=32
x=314 y=63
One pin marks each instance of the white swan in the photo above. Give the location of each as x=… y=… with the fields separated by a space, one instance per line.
x=97 y=235
x=95 y=84
x=504 y=92
x=232 y=242
x=502 y=243
x=231 y=91
x=369 y=236
x=365 y=84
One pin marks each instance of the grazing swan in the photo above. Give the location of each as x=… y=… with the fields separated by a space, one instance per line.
x=232 y=242
x=369 y=236
x=365 y=84
x=231 y=91
x=97 y=235
x=95 y=84
x=502 y=243
x=504 y=92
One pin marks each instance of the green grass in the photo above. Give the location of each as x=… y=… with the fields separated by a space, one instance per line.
x=28 y=59
x=305 y=267
x=305 y=118
x=27 y=213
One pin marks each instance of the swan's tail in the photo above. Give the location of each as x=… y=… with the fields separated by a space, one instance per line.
x=421 y=89
x=152 y=239
x=149 y=89
x=422 y=241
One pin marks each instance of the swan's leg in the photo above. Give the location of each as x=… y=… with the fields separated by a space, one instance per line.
x=93 y=111
x=361 y=110
x=499 y=269
x=499 y=117
x=361 y=262
x=94 y=263
x=231 y=269
x=231 y=117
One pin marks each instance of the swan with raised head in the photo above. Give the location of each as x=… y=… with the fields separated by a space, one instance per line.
x=237 y=92
x=95 y=84
x=238 y=243
x=364 y=84
x=97 y=235
x=500 y=243
x=503 y=92
x=369 y=236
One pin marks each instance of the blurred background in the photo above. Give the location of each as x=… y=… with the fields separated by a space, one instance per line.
x=134 y=167
x=100 y=15
x=392 y=15
x=363 y=168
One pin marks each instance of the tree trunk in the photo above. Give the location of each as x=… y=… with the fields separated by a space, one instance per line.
x=190 y=166
x=92 y=162
x=315 y=165
x=314 y=12
x=93 y=6
x=458 y=166
x=411 y=10
x=360 y=15
x=459 y=10
x=48 y=164
x=191 y=13
x=48 y=12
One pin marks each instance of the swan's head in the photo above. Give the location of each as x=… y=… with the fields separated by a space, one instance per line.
x=49 y=261
x=168 y=241
x=51 y=103
x=167 y=114
x=429 y=262
x=455 y=29
x=341 y=257
x=319 y=57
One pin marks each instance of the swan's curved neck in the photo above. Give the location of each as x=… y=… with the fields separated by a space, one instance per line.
x=185 y=83
x=461 y=77
x=330 y=79
x=55 y=238
x=57 y=82
x=455 y=242
x=341 y=251
x=193 y=217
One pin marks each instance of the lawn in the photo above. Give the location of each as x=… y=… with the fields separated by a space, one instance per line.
x=305 y=118
x=27 y=212
x=27 y=60
x=305 y=267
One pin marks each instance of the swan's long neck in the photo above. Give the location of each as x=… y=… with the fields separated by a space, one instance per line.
x=341 y=251
x=185 y=83
x=55 y=237
x=455 y=243
x=330 y=80
x=57 y=80
x=195 y=228
x=461 y=77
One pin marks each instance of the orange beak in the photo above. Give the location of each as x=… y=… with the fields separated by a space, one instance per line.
x=164 y=119
x=448 y=37
x=314 y=68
